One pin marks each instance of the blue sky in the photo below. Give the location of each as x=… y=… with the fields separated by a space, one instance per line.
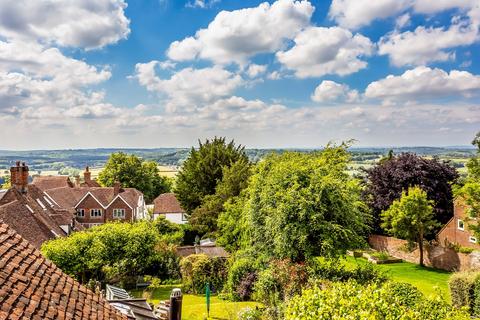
x=163 y=73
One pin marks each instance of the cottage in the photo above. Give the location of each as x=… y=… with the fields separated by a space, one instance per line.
x=457 y=230
x=167 y=205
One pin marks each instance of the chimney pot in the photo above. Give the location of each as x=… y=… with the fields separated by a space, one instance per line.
x=19 y=176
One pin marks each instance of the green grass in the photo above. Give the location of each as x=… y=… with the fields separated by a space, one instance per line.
x=194 y=307
x=427 y=280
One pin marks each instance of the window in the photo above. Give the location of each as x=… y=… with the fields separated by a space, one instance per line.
x=80 y=212
x=95 y=213
x=119 y=213
x=184 y=217
x=472 y=239
x=460 y=225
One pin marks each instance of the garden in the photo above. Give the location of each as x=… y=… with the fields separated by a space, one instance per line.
x=287 y=222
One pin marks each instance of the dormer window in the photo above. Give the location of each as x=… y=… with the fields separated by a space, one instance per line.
x=460 y=225
x=95 y=213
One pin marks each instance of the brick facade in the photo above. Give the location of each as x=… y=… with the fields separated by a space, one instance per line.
x=451 y=233
x=119 y=204
x=434 y=256
x=90 y=203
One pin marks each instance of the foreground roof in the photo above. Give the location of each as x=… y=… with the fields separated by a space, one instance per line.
x=167 y=203
x=32 y=287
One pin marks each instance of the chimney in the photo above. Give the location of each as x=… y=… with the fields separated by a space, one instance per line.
x=77 y=181
x=19 y=176
x=87 y=175
x=116 y=188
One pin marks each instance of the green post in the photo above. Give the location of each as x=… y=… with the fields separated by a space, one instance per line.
x=207 y=297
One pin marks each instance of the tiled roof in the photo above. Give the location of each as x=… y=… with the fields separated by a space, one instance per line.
x=90 y=183
x=30 y=215
x=31 y=287
x=51 y=182
x=167 y=203
x=69 y=197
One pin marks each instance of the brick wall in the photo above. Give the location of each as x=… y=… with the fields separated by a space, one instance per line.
x=434 y=256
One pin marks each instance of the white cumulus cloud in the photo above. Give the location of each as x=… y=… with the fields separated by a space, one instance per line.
x=328 y=91
x=235 y=36
x=319 y=51
x=424 y=83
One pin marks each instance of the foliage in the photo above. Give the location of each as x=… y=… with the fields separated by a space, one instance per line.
x=232 y=224
x=349 y=300
x=6 y=183
x=473 y=164
x=198 y=269
x=169 y=232
x=337 y=270
x=204 y=219
x=69 y=171
x=113 y=251
x=237 y=271
x=279 y=282
x=465 y=290
x=411 y=217
x=303 y=205
x=386 y=181
x=133 y=172
x=246 y=285
x=250 y=314
x=381 y=255
x=204 y=169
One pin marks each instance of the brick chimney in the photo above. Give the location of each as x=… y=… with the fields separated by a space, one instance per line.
x=77 y=181
x=87 y=175
x=19 y=176
x=116 y=188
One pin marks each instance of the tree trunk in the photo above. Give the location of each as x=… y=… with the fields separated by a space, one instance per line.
x=420 y=246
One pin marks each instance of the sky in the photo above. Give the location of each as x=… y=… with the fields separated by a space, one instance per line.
x=269 y=74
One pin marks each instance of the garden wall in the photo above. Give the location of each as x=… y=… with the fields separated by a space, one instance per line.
x=434 y=256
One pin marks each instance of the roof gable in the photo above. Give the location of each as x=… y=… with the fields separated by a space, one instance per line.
x=167 y=203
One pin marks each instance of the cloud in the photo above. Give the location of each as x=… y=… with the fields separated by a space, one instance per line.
x=254 y=70
x=203 y=4
x=235 y=36
x=319 y=51
x=88 y=24
x=189 y=87
x=424 y=83
x=328 y=91
x=354 y=14
x=426 y=44
x=430 y=7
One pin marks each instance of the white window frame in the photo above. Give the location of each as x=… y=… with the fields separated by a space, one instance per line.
x=81 y=213
x=184 y=217
x=116 y=214
x=458 y=225
x=96 y=213
x=472 y=239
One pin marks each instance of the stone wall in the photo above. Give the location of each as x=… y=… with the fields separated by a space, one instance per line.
x=434 y=256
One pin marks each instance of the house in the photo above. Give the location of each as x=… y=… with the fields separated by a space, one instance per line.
x=167 y=205
x=457 y=230
x=96 y=205
x=34 y=288
x=206 y=246
x=30 y=213
x=51 y=182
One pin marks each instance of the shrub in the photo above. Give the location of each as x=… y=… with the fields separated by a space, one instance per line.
x=237 y=271
x=336 y=270
x=250 y=314
x=350 y=300
x=198 y=269
x=461 y=286
x=382 y=255
x=245 y=288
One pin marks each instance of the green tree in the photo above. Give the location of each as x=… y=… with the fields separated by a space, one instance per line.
x=203 y=170
x=411 y=217
x=303 y=205
x=235 y=179
x=473 y=164
x=133 y=172
x=6 y=183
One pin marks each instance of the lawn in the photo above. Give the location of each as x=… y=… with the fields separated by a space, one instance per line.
x=194 y=307
x=427 y=280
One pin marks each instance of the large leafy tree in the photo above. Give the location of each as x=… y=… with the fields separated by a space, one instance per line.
x=203 y=170
x=303 y=205
x=473 y=164
x=411 y=217
x=133 y=172
x=386 y=181
x=234 y=180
